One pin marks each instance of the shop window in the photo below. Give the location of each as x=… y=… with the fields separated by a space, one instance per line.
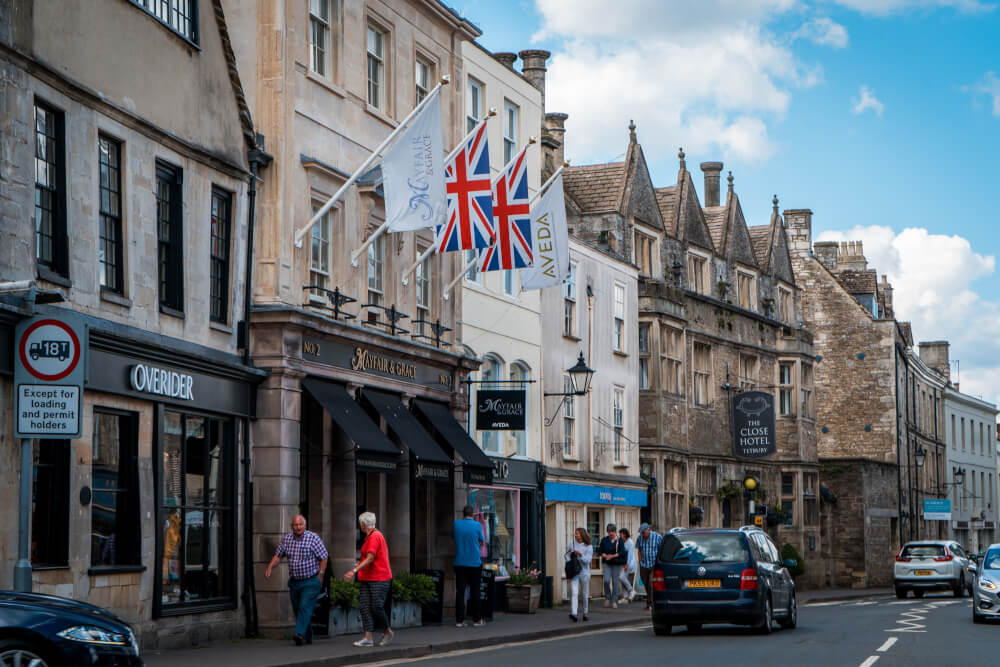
x=115 y=529
x=196 y=513
x=497 y=512
x=50 y=504
x=596 y=529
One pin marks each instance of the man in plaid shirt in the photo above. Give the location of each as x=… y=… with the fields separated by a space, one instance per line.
x=646 y=547
x=306 y=565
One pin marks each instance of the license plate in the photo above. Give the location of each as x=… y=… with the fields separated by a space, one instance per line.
x=704 y=583
x=924 y=573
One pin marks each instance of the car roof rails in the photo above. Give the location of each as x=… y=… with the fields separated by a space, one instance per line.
x=676 y=529
x=747 y=529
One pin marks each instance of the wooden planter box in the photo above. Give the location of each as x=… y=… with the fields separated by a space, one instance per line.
x=404 y=615
x=523 y=599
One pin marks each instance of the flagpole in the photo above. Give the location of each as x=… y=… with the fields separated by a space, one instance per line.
x=547 y=183
x=300 y=234
x=430 y=249
x=447 y=290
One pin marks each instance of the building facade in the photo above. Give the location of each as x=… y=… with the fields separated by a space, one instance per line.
x=128 y=208
x=502 y=326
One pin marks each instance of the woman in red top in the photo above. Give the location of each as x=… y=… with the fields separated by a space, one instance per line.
x=375 y=578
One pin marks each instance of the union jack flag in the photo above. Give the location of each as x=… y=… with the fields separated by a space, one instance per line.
x=470 y=197
x=511 y=219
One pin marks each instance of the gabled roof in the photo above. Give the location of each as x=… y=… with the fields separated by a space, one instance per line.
x=760 y=237
x=596 y=188
x=666 y=199
x=717 y=218
x=691 y=225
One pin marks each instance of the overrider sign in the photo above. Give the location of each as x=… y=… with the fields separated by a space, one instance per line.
x=49 y=363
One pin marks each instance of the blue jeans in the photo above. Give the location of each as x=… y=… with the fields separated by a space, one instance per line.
x=304 y=593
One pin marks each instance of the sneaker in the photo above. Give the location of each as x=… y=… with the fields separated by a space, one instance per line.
x=387 y=638
x=364 y=642
x=631 y=596
x=460 y=624
x=614 y=605
x=572 y=617
x=480 y=623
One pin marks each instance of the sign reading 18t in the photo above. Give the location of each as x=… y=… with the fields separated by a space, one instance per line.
x=49 y=364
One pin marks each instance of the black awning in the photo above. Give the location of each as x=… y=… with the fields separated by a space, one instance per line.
x=373 y=448
x=431 y=461
x=438 y=419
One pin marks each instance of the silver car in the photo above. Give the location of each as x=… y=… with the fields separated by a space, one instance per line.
x=986 y=593
x=930 y=565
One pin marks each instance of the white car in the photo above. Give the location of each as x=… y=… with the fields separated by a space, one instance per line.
x=930 y=565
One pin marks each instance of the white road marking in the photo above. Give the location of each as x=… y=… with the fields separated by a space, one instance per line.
x=872 y=659
x=822 y=604
x=632 y=629
x=908 y=620
x=906 y=602
x=861 y=604
x=887 y=645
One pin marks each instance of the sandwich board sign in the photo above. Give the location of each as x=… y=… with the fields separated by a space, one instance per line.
x=50 y=361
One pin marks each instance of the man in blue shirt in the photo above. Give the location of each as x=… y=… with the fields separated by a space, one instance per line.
x=646 y=548
x=468 y=564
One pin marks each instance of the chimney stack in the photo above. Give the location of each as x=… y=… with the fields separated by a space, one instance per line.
x=826 y=253
x=935 y=354
x=507 y=58
x=533 y=69
x=886 y=288
x=798 y=231
x=712 y=171
x=553 y=143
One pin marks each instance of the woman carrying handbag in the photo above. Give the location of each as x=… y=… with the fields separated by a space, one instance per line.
x=578 y=557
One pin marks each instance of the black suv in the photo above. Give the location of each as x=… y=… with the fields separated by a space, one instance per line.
x=49 y=631
x=721 y=576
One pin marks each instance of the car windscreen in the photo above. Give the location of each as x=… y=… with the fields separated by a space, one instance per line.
x=992 y=560
x=922 y=551
x=704 y=548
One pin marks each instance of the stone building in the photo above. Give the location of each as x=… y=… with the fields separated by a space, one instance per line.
x=502 y=326
x=126 y=202
x=364 y=407
x=877 y=403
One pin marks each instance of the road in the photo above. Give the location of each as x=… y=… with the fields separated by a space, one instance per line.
x=935 y=631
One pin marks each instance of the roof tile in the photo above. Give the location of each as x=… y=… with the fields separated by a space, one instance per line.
x=596 y=187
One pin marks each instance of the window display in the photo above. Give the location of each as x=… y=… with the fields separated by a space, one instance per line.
x=497 y=511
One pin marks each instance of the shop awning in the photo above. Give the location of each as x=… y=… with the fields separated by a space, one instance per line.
x=373 y=449
x=431 y=462
x=436 y=416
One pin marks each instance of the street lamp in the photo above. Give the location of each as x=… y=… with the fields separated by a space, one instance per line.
x=958 y=474
x=580 y=376
x=920 y=455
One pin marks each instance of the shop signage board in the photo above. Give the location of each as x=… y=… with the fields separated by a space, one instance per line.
x=500 y=409
x=50 y=362
x=374 y=361
x=937 y=509
x=594 y=495
x=753 y=425
x=514 y=472
x=433 y=471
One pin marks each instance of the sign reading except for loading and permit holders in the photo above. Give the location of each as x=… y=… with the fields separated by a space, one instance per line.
x=50 y=359
x=753 y=425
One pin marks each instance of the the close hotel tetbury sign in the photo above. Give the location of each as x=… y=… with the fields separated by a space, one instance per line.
x=363 y=359
x=753 y=425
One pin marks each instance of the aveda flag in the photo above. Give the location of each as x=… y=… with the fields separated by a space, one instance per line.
x=413 y=173
x=550 y=241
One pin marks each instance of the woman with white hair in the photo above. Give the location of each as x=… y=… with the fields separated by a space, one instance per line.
x=374 y=577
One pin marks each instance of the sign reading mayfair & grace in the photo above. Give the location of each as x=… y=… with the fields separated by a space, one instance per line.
x=500 y=409
x=753 y=425
x=370 y=361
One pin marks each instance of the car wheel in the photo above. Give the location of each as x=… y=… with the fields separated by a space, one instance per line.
x=918 y=593
x=977 y=617
x=766 y=621
x=15 y=652
x=694 y=627
x=958 y=590
x=662 y=630
x=900 y=593
x=790 y=621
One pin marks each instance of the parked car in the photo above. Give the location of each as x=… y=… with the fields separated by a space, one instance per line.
x=49 y=631
x=930 y=565
x=721 y=576
x=986 y=592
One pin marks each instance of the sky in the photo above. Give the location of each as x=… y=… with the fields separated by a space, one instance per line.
x=881 y=116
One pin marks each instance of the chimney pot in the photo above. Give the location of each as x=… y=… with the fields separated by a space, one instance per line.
x=533 y=68
x=554 y=141
x=712 y=171
x=507 y=58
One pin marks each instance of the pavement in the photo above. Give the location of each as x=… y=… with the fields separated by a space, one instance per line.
x=410 y=643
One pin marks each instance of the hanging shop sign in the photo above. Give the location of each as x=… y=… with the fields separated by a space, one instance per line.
x=372 y=361
x=50 y=361
x=514 y=472
x=753 y=425
x=500 y=409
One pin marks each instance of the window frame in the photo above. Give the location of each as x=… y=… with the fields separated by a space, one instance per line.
x=618 y=321
x=128 y=429
x=153 y=8
x=473 y=116
x=701 y=377
x=786 y=305
x=569 y=420
x=56 y=266
x=316 y=237
x=807 y=390
x=510 y=131
x=423 y=289
x=643 y=348
x=376 y=271
x=749 y=372
x=107 y=217
x=325 y=24
x=473 y=275
x=697 y=266
x=57 y=519
x=521 y=440
x=569 y=303
x=618 y=421
x=220 y=272
x=746 y=289
x=422 y=89
x=786 y=390
x=171 y=258
x=672 y=360
x=381 y=60
x=644 y=247
x=490 y=438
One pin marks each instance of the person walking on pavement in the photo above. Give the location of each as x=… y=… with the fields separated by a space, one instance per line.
x=628 y=571
x=374 y=576
x=647 y=546
x=579 y=586
x=306 y=565
x=612 y=551
x=469 y=541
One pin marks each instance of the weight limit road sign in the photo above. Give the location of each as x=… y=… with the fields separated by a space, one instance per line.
x=49 y=368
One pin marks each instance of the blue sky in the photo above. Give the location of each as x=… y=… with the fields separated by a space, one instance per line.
x=882 y=116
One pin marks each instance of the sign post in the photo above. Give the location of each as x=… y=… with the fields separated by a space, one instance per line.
x=49 y=366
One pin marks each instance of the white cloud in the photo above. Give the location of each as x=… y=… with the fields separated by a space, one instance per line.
x=933 y=278
x=823 y=31
x=867 y=100
x=886 y=7
x=989 y=86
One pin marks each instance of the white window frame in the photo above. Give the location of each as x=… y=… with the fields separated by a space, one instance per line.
x=569 y=303
x=569 y=420
x=319 y=274
x=511 y=114
x=786 y=389
x=618 y=421
x=376 y=72
x=376 y=271
x=521 y=444
x=473 y=275
x=491 y=441
x=474 y=102
x=423 y=75
x=618 y=323
x=422 y=283
x=644 y=355
x=320 y=54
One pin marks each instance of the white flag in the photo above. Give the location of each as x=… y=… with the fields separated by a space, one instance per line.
x=413 y=173
x=550 y=241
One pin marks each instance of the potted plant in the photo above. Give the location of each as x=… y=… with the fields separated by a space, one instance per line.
x=524 y=591
x=345 y=618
